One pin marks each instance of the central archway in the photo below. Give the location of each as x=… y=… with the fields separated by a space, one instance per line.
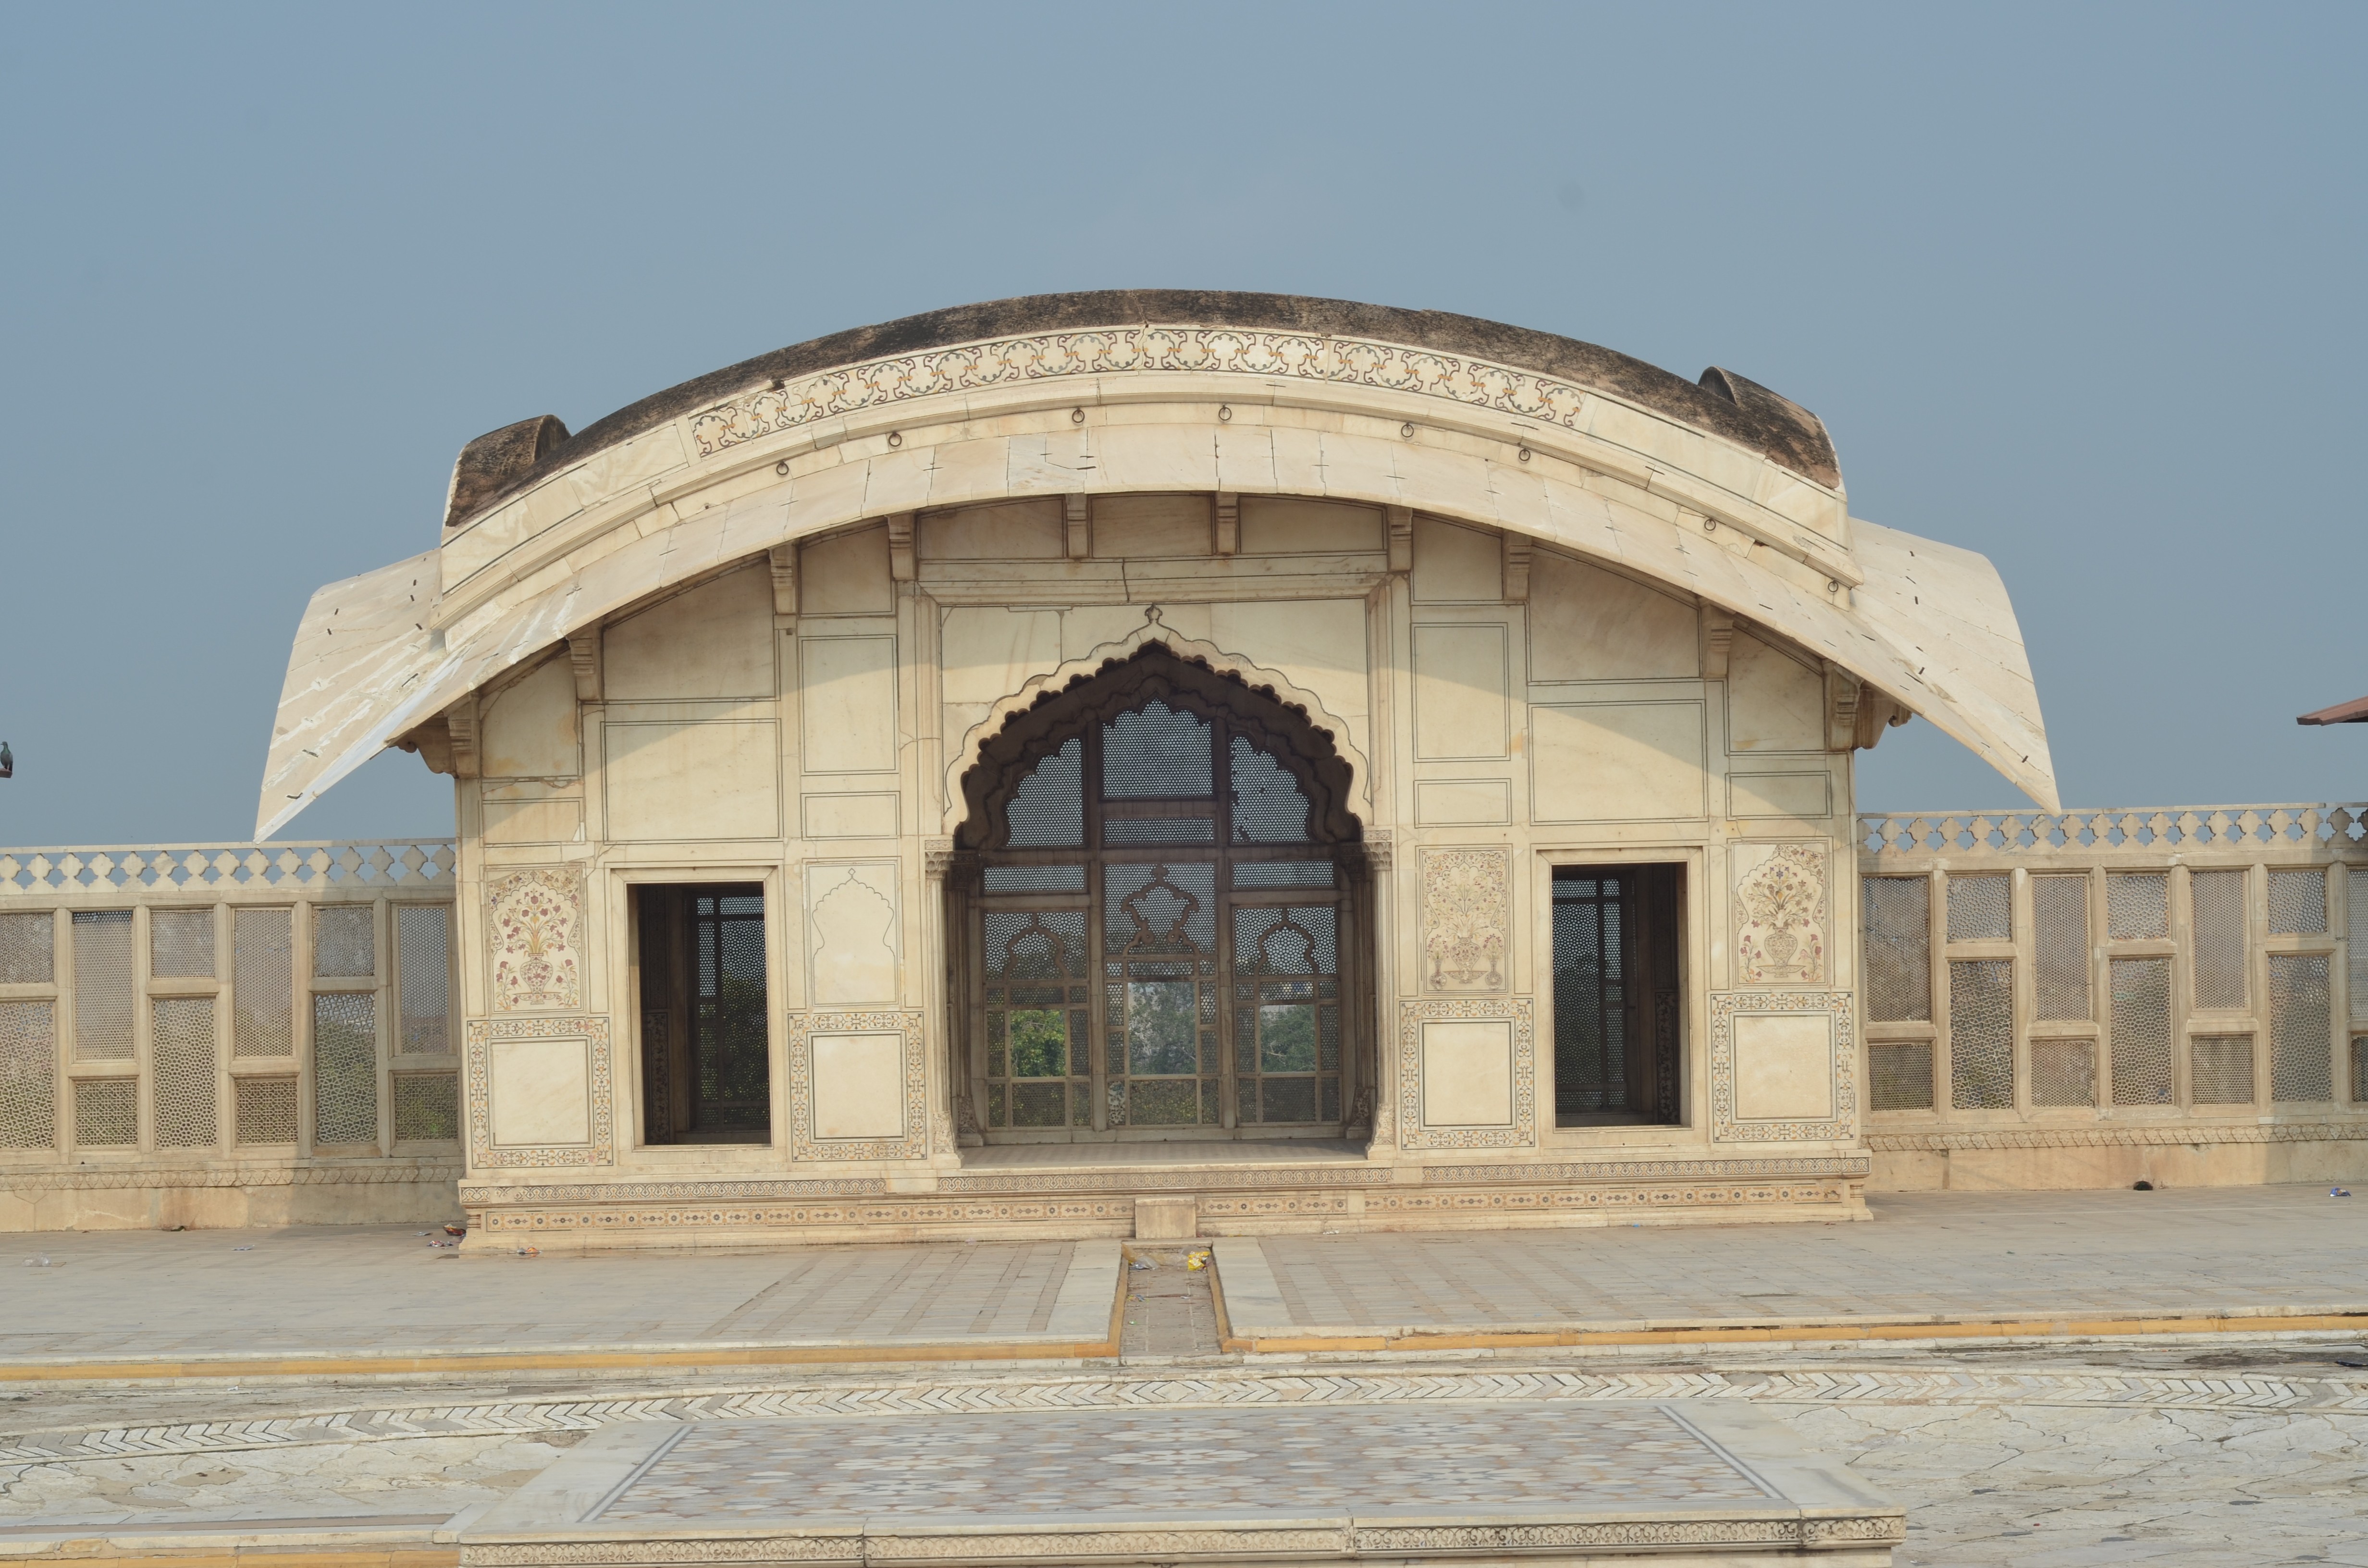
x=1159 y=924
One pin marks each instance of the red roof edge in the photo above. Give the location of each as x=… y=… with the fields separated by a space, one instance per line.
x=2352 y=712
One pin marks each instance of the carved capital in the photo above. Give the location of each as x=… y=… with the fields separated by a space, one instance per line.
x=1379 y=847
x=1518 y=551
x=583 y=658
x=1718 y=642
x=460 y=724
x=783 y=561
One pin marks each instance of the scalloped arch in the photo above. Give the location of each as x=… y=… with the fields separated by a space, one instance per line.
x=967 y=753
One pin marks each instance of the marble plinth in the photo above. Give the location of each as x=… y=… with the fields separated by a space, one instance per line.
x=1548 y=1482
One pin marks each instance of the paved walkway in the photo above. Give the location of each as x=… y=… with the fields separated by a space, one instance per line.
x=385 y=1298
x=1928 y=1257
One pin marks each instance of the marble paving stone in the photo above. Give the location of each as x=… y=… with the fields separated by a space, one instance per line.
x=1196 y=1464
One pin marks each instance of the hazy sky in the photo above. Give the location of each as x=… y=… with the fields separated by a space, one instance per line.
x=2078 y=287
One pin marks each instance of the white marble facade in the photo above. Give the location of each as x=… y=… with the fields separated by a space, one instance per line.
x=788 y=700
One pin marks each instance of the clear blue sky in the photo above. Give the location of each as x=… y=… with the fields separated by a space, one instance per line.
x=2079 y=287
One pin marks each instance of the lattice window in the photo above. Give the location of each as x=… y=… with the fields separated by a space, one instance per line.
x=2063 y=1071
x=183 y=1048
x=2059 y=937
x=2137 y=906
x=1901 y=1074
x=265 y=1109
x=262 y=983
x=106 y=1113
x=1897 y=918
x=104 y=984
x=2219 y=899
x=344 y=1067
x=2141 y=1025
x=2298 y=903
x=426 y=1108
x=345 y=944
x=27 y=940
x=2302 y=1029
x=1981 y=909
x=1038 y=1011
x=1590 y=990
x=28 y=1080
x=1161 y=914
x=181 y=943
x=1981 y=1033
x=2220 y=1069
x=423 y=977
x=2355 y=905
x=2359 y=1069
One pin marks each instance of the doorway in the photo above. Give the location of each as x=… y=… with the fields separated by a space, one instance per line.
x=1616 y=994
x=706 y=1057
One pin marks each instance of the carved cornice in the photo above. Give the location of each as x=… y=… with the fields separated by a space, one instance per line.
x=435 y=1172
x=2147 y=1137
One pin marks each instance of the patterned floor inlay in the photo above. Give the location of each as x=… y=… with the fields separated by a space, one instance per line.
x=1186 y=1463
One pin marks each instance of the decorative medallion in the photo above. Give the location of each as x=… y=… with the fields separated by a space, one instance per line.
x=533 y=932
x=1467 y=919
x=1780 y=913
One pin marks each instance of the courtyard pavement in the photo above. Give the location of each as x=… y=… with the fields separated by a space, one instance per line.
x=114 y=1303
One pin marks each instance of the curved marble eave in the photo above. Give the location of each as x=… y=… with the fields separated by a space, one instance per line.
x=379 y=654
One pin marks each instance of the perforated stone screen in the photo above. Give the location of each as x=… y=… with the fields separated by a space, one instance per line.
x=344 y=1067
x=2062 y=1071
x=105 y=988
x=262 y=983
x=2298 y=903
x=2301 y=1029
x=1981 y=909
x=266 y=1110
x=28 y=1051
x=2137 y=906
x=1981 y=1033
x=2059 y=937
x=344 y=941
x=2141 y=1032
x=2220 y=1069
x=181 y=943
x=184 y=1073
x=2219 y=938
x=28 y=943
x=424 y=977
x=426 y=1108
x=1897 y=913
x=1901 y=1074
x=106 y=1113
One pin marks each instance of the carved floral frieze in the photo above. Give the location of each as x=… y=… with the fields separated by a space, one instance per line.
x=1780 y=913
x=1467 y=919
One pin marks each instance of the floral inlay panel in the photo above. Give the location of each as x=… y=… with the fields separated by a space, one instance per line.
x=1467 y=919
x=1780 y=913
x=535 y=930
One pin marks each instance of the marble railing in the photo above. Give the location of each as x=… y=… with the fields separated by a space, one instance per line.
x=227 y=1014
x=2188 y=973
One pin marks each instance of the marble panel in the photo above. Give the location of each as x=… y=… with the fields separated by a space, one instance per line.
x=534 y=932
x=1014 y=530
x=858 y=1084
x=1444 y=802
x=1461 y=696
x=1783 y=1066
x=988 y=653
x=1316 y=645
x=1151 y=526
x=847 y=691
x=512 y=816
x=542 y=1092
x=698 y=779
x=1773 y=702
x=1590 y=624
x=1805 y=795
x=1454 y=564
x=865 y=815
x=854 y=939
x=528 y=730
x=1617 y=761
x=712 y=641
x=1089 y=627
x=846 y=574
x=1781 y=907
x=1280 y=524
x=1467 y=1073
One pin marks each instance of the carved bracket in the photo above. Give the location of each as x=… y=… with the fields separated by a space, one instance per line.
x=783 y=559
x=460 y=724
x=1077 y=526
x=900 y=546
x=583 y=658
x=1718 y=642
x=1229 y=523
x=1401 y=527
x=1517 y=551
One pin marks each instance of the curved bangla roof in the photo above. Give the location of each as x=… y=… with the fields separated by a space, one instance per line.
x=1719 y=487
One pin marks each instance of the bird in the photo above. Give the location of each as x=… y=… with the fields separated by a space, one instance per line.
x=8 y=761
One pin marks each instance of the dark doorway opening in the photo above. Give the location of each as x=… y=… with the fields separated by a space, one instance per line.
x=1616 y=991
x=705 y=1059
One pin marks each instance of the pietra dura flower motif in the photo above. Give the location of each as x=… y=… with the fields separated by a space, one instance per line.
x=536 y=961
x=1466 y=918
x=1780 y=907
